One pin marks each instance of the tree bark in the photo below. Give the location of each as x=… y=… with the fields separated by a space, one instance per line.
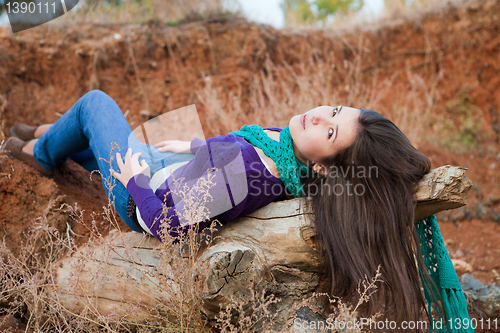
x=271 y=250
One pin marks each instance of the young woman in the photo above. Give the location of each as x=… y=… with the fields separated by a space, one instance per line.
x=357 y=166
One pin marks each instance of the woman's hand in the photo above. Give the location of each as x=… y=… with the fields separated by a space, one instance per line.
x=130 y=167
x=175 y=146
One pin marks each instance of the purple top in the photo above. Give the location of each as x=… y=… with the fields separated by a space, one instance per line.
x=243 y=184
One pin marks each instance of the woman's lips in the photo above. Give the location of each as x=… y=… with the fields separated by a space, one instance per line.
x=303 y=120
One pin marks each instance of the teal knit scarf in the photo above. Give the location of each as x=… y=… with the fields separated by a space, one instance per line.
x=455 y=317
x=290 y=168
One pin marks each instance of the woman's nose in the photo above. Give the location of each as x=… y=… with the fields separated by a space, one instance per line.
x=317 y=118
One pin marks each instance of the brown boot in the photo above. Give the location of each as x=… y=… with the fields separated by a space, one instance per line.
x=23 y=131
x=14 y=148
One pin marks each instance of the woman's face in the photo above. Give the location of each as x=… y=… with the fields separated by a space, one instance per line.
x=322 y=131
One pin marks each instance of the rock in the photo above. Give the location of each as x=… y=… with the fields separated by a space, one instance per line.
x=482 y=299
x=461 y=266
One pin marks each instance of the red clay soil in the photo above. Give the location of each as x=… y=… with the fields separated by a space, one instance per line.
x=45 y=70
x=27 y=197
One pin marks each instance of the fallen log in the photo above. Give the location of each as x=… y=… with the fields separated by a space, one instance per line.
x=271 y=250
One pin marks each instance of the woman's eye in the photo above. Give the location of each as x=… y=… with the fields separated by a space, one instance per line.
x=335 y=111
x=330 y=133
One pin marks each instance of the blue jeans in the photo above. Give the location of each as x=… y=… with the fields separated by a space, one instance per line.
x=86 y=132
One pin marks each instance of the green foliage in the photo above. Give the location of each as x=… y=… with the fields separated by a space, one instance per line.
x=463 y=124
x=316 y=11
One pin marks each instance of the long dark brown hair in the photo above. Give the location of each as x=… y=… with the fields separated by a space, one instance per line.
x=364 y=217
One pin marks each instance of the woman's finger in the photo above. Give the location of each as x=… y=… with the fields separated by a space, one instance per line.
x=163 y=143
x=135 y=157
x=125 y=157
x=119 y=160
x=115 y=174
x=128 y=155
x=159 y=144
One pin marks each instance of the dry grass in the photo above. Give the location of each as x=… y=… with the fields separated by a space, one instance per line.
x=167 y=298
x=394 y=11
x=27 y=277
x=283 y=92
